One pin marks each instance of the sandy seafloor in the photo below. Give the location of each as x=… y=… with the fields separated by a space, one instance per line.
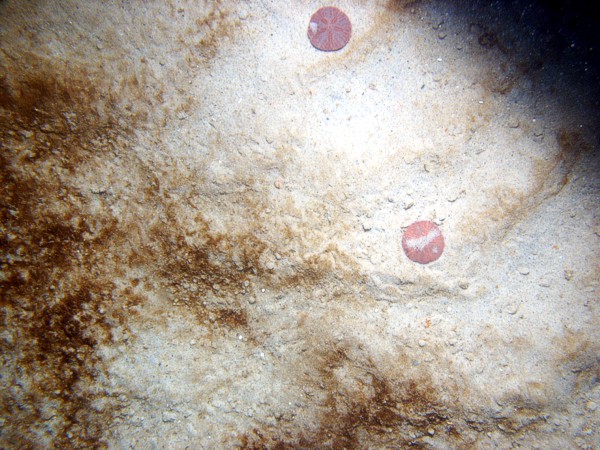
x=202 y=219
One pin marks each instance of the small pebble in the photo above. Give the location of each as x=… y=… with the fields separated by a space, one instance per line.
x=243 y=13
x=544 y=283
x=408 y=202
x=278 y=183
x=270 y=265
x=513 y=122
x=512 y=308
x=169 y=416
x=453 y=197
x=367 y=226
x=523 y=270
x=422 y=343
x=569 y=274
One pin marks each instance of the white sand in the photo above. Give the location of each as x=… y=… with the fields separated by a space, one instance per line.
x=186 y=301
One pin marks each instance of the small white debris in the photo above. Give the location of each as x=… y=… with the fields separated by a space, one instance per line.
x=270 y=265
x=512 y=308
x=523 y=270
x=422 y=343
x=169 y=416
x=367 y=225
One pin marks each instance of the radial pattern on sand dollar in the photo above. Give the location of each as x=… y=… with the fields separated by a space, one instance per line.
x=329 y=29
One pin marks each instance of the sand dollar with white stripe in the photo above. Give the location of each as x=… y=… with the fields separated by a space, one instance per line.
x=423 y=242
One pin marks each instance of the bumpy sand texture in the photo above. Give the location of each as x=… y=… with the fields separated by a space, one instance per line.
x=202 y=221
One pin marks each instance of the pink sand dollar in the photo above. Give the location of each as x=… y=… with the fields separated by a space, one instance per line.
x=423 y=242
x=329 y=29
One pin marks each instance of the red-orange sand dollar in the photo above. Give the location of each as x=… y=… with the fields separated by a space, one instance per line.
x=423 y=242
x=329 y=29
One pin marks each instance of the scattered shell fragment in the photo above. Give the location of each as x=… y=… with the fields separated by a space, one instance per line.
x=407 y=202
x=544 y=282
x=569 y=274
